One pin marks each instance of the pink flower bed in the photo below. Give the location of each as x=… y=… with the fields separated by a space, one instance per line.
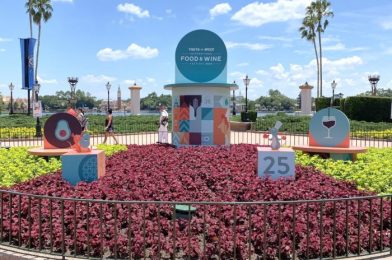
x=215 y=174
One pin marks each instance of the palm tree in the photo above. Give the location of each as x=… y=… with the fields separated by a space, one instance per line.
x=29 y=7
x=308 y=31
x=320 y=10
x=41 y=11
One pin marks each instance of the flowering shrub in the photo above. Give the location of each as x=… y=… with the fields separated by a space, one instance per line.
x=372 y=171
x=17 y=165
x=376 y=134
x=215 y=174
x=17 y=132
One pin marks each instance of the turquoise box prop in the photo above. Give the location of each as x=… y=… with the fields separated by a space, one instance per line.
x=87 y=167
x=275 y=164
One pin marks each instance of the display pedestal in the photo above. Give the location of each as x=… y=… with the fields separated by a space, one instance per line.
x=275 y=164
x=87 y=167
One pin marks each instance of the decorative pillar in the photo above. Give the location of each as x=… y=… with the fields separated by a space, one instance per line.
x=119 y=99
x=306 y=99
x=135 y=99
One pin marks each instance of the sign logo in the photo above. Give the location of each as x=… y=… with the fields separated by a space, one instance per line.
x=201 y=56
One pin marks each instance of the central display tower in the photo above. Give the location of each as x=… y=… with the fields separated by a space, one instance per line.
x=201 y=94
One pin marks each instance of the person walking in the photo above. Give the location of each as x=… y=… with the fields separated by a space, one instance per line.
x=109 y=129
x=82 y=119
x=163 y=123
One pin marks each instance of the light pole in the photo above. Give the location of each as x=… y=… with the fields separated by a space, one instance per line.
x=234 y=113
x=373 y=79
x=333 y=85
x=11 y=86
x=246 y=83
x=38 y=132
x=72 y=82
x=108 y=88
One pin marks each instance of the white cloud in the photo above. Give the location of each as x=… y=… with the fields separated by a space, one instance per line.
x=256 y=14
x=5 y=39
x=243 y=64
x=288 y=78
x=220 y=9
x=337 y=47
x=389 y=51
x=133 y=9
x=2 y=50
x=387 y=24
x=97 y=79
x=46 y=81
x=236 y=74
x=251 y=46
x=133 y=51
x=275 y=38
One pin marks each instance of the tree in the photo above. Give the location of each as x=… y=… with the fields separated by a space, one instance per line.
x=380 y=93
x=320 y=10
x=29 y=7
x=41 y=11
x=308 y=31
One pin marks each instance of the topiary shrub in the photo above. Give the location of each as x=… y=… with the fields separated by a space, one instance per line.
x=342 y=101
x=324 y=102
x=370 y=109
x=251 y=115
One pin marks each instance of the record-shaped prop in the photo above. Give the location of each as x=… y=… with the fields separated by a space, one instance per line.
x=60 y=128
x=329 y=127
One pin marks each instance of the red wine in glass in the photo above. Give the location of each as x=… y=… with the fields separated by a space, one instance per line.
x=329 y=122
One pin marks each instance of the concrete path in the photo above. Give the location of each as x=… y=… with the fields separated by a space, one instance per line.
x=235 y=138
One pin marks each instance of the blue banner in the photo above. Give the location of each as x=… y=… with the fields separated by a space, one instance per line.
x=27 y=51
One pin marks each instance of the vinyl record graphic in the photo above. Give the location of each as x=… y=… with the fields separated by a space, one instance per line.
x=59 y=129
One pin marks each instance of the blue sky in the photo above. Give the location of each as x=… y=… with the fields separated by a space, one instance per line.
x=126 y=41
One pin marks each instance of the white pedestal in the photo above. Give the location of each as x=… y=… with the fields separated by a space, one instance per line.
x=276 y=164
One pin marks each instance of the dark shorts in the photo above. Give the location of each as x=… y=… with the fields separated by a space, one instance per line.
x=110 y=129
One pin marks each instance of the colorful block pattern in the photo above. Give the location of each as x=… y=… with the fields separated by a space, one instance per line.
x=200 y=120
x=87 y=167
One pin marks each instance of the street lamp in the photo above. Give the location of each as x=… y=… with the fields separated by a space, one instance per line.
x=72 y=82
x=373 y=79
x=234 y=113
x=333 y=85
x=246 y=83
x=38 y=132
x=108 y=88
x=11 y=86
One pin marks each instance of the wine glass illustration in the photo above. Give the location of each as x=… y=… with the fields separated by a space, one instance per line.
x=329 y=122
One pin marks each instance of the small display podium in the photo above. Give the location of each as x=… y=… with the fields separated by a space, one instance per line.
x=276 y=164
x=87 y=167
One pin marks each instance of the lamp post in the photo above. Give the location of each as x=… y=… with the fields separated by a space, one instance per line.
x=234 y=113
x=333 y=85
x=11 y=86
x=38 y=132
x=246 y=83
x=108 y=88
x=373 y=79
x=72 y=82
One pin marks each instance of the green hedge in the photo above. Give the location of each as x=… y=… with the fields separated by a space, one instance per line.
x=252 y=116
x=370 y=109
x=324 y=102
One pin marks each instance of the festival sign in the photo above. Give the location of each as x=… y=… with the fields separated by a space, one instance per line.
x=329 y=127
x=201 y=57
x=60 y=130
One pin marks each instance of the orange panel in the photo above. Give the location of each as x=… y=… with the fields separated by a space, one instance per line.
x=221 y=126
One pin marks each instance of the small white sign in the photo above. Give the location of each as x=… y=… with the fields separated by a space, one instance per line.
x=276 y=164
x=37 y=109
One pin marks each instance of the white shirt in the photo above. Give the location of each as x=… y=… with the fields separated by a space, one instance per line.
x=163 y=127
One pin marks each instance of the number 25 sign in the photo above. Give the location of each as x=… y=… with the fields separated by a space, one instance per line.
x=276 y=164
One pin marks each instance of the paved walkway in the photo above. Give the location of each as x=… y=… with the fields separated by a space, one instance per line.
x=235 y=138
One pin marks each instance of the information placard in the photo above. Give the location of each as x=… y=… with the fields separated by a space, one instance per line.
x=276 y=164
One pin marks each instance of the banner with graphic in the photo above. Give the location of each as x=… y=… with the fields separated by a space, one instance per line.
x=27 y=53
